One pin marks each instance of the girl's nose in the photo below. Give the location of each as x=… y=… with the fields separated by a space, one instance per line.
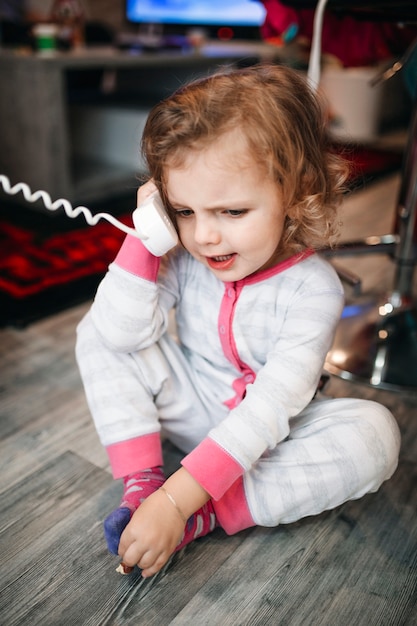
x=206 y=231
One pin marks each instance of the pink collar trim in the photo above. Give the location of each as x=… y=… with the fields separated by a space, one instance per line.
x=258 y=277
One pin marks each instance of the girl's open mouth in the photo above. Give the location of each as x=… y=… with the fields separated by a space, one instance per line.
x=222 y=262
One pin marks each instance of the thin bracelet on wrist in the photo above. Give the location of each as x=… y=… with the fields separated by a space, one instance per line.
x=171 y=499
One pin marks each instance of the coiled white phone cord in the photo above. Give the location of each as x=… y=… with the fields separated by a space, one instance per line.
x=67 y=206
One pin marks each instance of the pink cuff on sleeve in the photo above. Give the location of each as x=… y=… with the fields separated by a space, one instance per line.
x=232 y=510
x=212 y=467
x=135 y=454
x=136 y=259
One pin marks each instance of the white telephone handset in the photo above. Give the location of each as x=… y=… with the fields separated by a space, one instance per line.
x=150 y=219
x=152 y=224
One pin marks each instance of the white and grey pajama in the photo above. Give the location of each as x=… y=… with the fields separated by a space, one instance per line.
x=235 y=392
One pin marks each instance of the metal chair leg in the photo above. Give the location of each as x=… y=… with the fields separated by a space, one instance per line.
x=376 y=341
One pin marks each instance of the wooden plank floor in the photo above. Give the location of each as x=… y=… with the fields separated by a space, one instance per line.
x=356 y=565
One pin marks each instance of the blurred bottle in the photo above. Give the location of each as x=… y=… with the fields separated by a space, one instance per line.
x=69 y=15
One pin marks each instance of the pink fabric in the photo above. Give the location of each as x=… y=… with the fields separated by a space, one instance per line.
x=232 y=511
x=139 y=485
x=262 y=275
x=212 y=467
x=225 y=322
x=353 y=41
x=133 y=455
x=136 y=259
x=198 y=525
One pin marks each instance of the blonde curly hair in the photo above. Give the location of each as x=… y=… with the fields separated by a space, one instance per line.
x=284 y=123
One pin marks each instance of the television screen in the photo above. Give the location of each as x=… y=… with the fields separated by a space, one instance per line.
x=239 y=16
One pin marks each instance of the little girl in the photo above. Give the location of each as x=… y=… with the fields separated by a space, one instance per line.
x=242 y=163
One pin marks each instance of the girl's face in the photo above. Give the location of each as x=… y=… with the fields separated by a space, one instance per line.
x=229 y=213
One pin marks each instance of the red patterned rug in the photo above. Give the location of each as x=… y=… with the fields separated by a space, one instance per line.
x=49 y=262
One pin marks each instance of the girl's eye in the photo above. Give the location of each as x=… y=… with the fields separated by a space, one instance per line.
x=183 y=213
x=236 y=212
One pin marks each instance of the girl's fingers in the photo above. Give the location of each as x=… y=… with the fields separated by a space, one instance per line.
x=145 y=191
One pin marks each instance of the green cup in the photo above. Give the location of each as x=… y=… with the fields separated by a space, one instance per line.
x=45 y=37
